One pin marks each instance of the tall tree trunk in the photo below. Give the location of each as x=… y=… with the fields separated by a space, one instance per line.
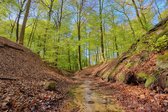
x=17 y=26
x=79 y=47
x=32 y=32
x=79 y=16
x=46 y=30
x=58 y=28
x=101 y=29
x=116 y=46
x=89 y=52
x=18 y=19
x=21 y=38
x=69 y=57
x=138 y=15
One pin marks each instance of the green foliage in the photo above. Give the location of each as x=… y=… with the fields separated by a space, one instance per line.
x=163 y=57
x=161 y=43
x=162 y=60
x=150 y=80
x=142 y=76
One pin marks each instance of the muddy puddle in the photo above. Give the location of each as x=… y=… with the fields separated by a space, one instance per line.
x=89 y=99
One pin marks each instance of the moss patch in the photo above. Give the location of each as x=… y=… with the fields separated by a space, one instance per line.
x=148 y=79
x=51 y=85
x=162 y=60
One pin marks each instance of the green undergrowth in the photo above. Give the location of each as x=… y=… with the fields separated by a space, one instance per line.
x=162 y=60
x=148 y=79
x=161 y=43
x=163 y=57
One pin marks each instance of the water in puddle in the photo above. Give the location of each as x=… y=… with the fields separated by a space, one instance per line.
x=89 y=100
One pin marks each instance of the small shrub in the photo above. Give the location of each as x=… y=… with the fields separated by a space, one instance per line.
x=162 y=61
x=161 y=43
x=51 y=85
x=150 y=80
x=147 y=79
x=142 y=76
x=163 y=57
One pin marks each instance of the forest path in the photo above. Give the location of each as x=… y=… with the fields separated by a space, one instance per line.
x=89 y=98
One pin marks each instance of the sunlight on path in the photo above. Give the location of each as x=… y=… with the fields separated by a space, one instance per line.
x=89 y=100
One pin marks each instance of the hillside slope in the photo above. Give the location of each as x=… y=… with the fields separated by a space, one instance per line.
x=26 y=83
x=140 y=75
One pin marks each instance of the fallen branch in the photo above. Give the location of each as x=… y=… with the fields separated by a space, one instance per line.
x=6 y=78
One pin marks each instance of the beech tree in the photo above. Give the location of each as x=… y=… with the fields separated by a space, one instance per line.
x=22 y=33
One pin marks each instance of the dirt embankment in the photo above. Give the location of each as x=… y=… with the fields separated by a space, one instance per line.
x=26 y=82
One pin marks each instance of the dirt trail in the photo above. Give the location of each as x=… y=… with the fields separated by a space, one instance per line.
x=96 y=95
x=89 y=98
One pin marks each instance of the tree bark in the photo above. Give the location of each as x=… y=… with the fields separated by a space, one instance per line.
x=138 y=15
x=32 y=32
x=22 y=33
x=79 y=16
x=46 y=30
x=101 y=29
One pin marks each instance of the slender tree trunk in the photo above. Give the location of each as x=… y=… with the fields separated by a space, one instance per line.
x=89 y=52
x=115 y=38
x=18 y=19
x=79 y=16
x=116 y=46
x=17 y=26
x=21 y=38
x=32 y=32
x=13 y=26
x=46 y=30
x=79 y=47
x=58 y=30
x=130 y=24
x=69 y=58
x=101 y=29
x=158 y=10
x=138 y=15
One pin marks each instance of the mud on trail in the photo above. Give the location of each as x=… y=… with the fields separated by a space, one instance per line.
x=89 y=97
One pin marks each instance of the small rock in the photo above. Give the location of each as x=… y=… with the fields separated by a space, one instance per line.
x=90 y=102
x=50 y=85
